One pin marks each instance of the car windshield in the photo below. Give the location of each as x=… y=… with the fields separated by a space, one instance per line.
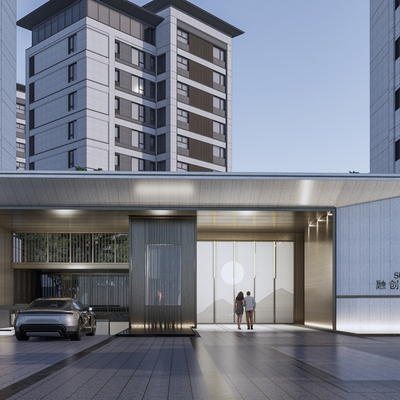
x=61 y=304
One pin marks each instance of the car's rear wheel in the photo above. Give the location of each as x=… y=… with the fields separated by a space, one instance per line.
x=78 y=334
x=93 y=329
x=21 y=336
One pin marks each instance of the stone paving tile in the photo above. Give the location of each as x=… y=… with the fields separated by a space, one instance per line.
x=272 y=362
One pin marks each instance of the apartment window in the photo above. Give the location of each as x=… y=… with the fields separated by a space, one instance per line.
x=117 y=132
x=21 y=127
x=396 y=4
x=138 y=112
x=218 y=152
x=161 y=117
x=138 y=58
x=152 y=143
x=137 y=164
x=117 y=48
x=218 y=78
x=152 y=166
x=21 y=147
x=72 y=44
x=71 y=158
x=161 y=90
x=219 y=103
x=31 y=119
x=72 y=101
x=219 y=54
x=152 y=63
x=32 y=92
x=31 y=66
x=21 y=165
x=397 y=99
x=152 y=116
x=161 y=144
x=183 y=142
x=71 y=130
x=183 y=115
x=137 y=139
x=31 y=146
x=218 y=128
x=117 y=76
x=183 y=89
x=71 y=72
x=21 y=108
x=32 y=166
x=137 y=84
x=117 y=160
x=183 y=36
x=117 y=104
x=152 y=90
x=397 y=48
x=397 y=150
x=161 y=165
x=183 y=63
x=180 y=166
x=161 y=64
x=150 y=35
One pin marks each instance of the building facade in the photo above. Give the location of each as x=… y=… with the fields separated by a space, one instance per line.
x=116 y=86
x=21 y=127
x=8 y=41
x=318 y=250
x=384 y=86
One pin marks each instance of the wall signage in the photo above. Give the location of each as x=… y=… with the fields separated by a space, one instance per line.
x=393 y=284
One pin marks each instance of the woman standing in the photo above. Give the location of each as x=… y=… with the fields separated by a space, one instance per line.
x=239 y=308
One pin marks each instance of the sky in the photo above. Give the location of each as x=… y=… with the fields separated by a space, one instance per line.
x=300 y=82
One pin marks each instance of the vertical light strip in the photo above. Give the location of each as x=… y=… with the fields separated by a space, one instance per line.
x=274 y=282
x=214 y=244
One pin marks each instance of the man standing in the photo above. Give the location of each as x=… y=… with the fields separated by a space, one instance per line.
x=159 y=299
x=250 y=305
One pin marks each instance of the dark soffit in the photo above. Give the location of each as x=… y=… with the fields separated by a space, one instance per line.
x=53 y=7
x=196 y=12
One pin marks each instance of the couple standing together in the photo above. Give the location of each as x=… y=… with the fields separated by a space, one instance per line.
x=249 y=304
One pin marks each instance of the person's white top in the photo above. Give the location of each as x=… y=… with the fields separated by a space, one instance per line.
x=249 y=303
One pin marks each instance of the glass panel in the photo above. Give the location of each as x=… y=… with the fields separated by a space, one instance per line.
x=41 y=32
x=99 y=293
x=284 y=282
x=35 y=36
x=61 y=20
x=264 y=290
x=244 y=268
x=36 y=247
x=68 y=17
x=122 y=248
x=81 y=247
x=103 y=248
x=163 y=275
x=117 y=293
x=75 y=13
x=54 y=25
x=47 y=32
x=59 y=247
x=224 y=290
x=205 y=282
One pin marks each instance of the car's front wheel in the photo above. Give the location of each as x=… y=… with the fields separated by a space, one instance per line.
x=21 y=336
x=78 y=334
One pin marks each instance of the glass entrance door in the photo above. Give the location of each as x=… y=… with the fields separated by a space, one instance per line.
x=266 y=269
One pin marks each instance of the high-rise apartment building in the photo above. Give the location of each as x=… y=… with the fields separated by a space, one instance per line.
x=384 y=86
x=8 y=40
x=116 y=86
x=21 y=125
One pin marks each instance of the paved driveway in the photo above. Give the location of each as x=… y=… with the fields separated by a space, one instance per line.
x=270 y=362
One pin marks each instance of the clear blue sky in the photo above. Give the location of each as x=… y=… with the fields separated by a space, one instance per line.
x=300 y=82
